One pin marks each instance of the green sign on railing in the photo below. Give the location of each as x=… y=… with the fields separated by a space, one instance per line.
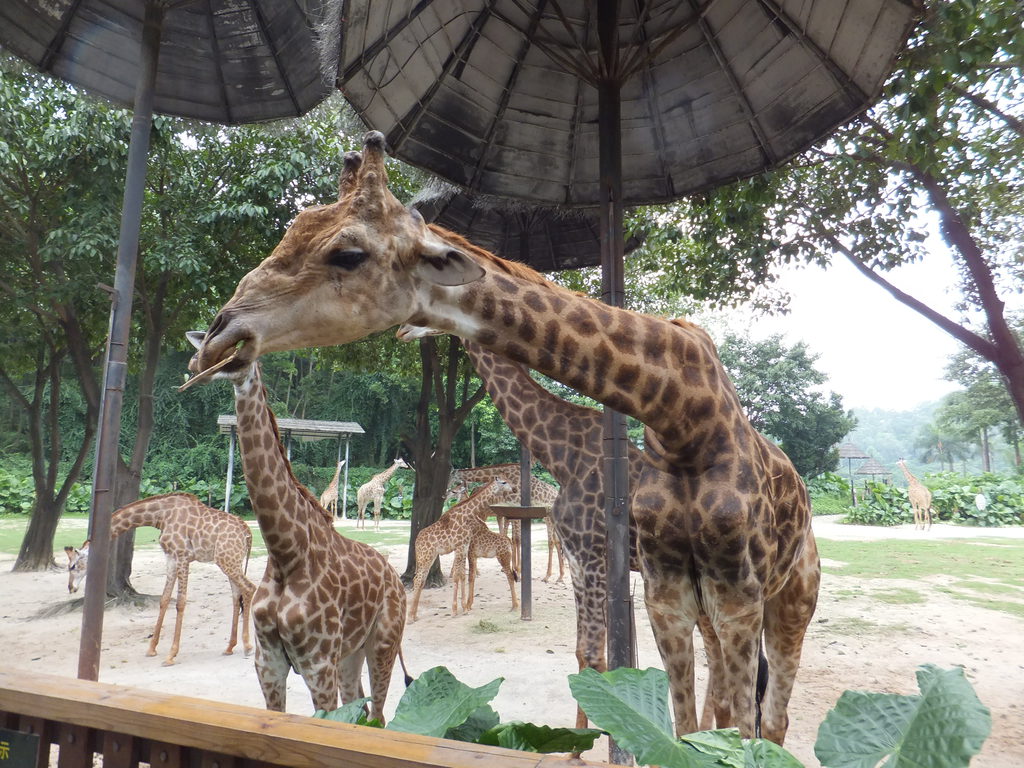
x=17 y=749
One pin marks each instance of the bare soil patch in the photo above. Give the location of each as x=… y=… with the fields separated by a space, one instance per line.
x=866 y=635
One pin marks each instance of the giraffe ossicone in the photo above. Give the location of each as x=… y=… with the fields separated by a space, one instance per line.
x=724 y=534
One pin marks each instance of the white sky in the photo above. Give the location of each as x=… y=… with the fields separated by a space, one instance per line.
x=877 y=352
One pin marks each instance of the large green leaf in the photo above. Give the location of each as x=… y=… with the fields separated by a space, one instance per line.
x=353 y=712
x=436 y=702
x=540 y=738
x=632 y=705
x=478 y=723
x=943 y=727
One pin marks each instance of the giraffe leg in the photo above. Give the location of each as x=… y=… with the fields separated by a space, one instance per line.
x=272 y=665
x=322 y=681
x=561 y=563
x=505 y=559
x=715 y=707
x=673 y=613
x=165 y=600
x=786 y=618
x=551 y=546
x=241 y=606
x=350 y=676
x=587 y=570
x=458 y=577
x=467 y=598
x=422 y=568
x=737 y=621
x=179 y=611
x=382 y=647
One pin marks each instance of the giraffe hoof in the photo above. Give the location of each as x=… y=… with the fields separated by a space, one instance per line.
x=151 y=652
x=229 y=652
x=168 y=663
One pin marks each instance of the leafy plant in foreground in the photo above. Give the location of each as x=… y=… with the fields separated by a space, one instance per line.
x=943 y=727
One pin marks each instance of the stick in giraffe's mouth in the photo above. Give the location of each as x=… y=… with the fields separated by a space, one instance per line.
x=206 y=375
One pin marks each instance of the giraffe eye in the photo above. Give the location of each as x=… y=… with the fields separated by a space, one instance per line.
x=346 y=258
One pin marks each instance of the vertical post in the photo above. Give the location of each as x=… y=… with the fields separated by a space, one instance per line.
x=616 y=472
x=116 y=362
x=344 y=491
x=525 y=538
x=231 y=470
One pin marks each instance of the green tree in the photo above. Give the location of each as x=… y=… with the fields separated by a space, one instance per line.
x=776 y=384
x=942 y=141
x=58 y=162
x=984 y=404
x=61 y=174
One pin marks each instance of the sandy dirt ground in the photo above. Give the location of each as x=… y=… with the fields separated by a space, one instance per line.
x=854 y=642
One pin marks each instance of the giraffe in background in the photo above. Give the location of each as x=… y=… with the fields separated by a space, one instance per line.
x=723 y=522
x=326 y=604
x=454 y=532
x=920 y=499
x=329 y=498
x=190 y=531
x=373 y=491
x=78 y=564
x=541 y=494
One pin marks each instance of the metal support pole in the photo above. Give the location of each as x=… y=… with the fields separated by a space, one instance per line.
x=344 y=491
x=231 y=471
x=616 y=467
x=525 y=538
x=116 y=362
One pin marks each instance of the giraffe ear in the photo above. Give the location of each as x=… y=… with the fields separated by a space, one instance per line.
x=195 y=338
x=442 y=264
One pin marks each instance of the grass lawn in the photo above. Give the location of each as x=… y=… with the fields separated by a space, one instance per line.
x=985 y=572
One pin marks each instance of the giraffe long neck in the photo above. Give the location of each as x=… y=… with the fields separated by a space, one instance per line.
x=151 y=512
x=666 y=374
x=546 y=424
x=906 y=473
x=284 y=509
x=384 y=476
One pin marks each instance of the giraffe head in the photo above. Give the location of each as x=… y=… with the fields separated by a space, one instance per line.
x=78 y=563
x=341 y=272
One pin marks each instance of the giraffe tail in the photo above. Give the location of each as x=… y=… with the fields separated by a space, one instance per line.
x=515 y=574
x=762 y=684
x=405 y=670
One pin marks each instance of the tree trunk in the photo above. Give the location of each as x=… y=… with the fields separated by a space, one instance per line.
x=36 y=553
x=432 y=458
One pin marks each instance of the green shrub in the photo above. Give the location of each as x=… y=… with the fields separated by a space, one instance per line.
x=884 y=505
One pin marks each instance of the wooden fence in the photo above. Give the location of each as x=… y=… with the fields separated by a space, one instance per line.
x=127 y=726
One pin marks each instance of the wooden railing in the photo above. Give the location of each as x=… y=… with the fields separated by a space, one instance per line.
x=128 y=726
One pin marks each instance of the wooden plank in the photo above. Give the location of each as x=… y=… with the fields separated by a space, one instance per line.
x=248 y=733
x=119 y=751
x=74 y=747
x=517 y=512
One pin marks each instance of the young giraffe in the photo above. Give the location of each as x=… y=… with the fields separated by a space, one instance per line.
x=78 y=564
x=326 y=603
x=483 y=542
x=723 y=522
x=541 y=493
x=920 y=499
x=191 y=532
x=329 y=498
x=373 y=490
x=454 y=532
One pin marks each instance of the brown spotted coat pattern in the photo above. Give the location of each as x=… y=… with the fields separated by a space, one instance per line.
x=723 y=522
x=326 y=604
